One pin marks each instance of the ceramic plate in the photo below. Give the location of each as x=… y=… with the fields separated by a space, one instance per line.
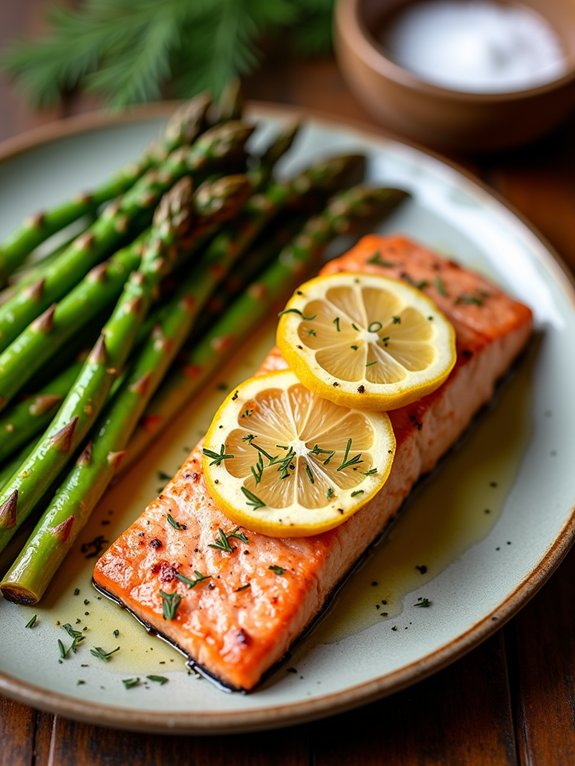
x=476 y=539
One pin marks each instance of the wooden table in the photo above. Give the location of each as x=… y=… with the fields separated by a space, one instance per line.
x=511 y=700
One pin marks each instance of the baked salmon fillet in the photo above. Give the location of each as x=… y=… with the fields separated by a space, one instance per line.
x=239 y=622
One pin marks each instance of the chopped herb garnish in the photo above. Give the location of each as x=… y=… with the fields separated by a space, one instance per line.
x=374 y=326
x=395 y=319
x=158 y=679
x=357 y=492
x=170 y=604
x=199 y=577
x=262 y=451
x=248 y=438
x=311 y=331
x=258 y=469
x=243 y=587
x=354 y=347
x=370 y=472
x=77 y=638
x=377 y=260
x=419 y=285
x=163 y=476
x=476 y=299
x=252 y=500
x=317 y=450
x=238 y=535
x=32 y=621
x=94 y=547
x=345 y=463
x=440 y=286
x=309 y=474
x=284 y=463
x=217 y=458
x=370 y=364
x=175 y=524
x=98 y=652
x=297 y=311
x=116 y=633
x=330 y=493
x=336 y=323
x=222 y=543
x=129 y=683
x=278 y=570
x=355 y=327
x=422 y=602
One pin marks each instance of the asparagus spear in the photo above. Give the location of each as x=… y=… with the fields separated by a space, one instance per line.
x=69 y=510
x=27 y=418
x=218 y=147
x=27 y=579
x=51 y=331
x=297 y=259
x=184 y=126
x=89 y=393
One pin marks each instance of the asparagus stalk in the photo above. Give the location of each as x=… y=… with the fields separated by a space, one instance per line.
x=67 y=513
x=43 y=338
x=27 y=418
x=184 y=126
x=218 y=147
x=345 y=211
x=90 y=391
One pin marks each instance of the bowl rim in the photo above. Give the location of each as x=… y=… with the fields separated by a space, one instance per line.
x=352 y=26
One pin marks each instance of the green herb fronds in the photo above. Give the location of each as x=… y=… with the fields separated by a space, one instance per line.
x=129 y=51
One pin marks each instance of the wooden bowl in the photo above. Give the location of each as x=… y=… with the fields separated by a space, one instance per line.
x=440 y=117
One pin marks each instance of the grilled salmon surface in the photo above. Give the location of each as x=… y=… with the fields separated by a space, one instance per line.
x=242 y=620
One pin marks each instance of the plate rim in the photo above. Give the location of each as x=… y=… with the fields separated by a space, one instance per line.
x=259 y=719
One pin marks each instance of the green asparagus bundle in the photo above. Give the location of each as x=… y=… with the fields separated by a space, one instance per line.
x=183 y=128
x=66 y=515
x=90 y=391
x=219 y=148
x=42 y=339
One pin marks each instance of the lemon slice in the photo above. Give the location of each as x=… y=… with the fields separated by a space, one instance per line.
x=279 y=460
x=366 y=341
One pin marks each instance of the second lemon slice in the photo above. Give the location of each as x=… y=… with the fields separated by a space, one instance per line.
x=366 y=341
x=280 y=460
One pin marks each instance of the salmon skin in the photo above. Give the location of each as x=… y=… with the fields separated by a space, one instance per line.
x=239 y=622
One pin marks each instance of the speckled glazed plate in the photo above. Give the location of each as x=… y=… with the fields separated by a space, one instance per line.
x=476 y=539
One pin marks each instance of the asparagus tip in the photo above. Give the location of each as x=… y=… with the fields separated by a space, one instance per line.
x=8 y=511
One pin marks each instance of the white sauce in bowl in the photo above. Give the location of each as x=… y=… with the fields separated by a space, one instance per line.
x=476 y=46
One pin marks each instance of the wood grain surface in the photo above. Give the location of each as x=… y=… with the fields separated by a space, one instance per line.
x=511 y=700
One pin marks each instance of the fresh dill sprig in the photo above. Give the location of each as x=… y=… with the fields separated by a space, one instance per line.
x=130 y=51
